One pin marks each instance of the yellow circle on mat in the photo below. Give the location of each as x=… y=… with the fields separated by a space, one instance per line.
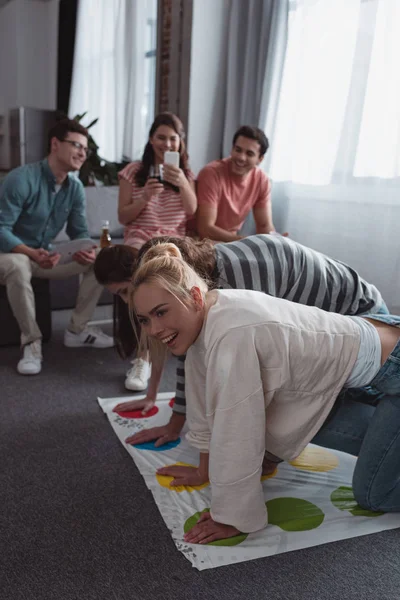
x=165 y=480
x=315 y=459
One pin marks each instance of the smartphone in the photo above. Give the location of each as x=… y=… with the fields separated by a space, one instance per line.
x=171 y=158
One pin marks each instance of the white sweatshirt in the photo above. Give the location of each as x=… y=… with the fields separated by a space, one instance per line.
x=262 y=375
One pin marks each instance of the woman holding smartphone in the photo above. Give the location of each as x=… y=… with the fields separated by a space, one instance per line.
x=151 y=205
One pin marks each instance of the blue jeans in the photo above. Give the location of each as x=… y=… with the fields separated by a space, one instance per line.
x=366 y=422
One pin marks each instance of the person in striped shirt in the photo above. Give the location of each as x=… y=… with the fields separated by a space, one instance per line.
x=149 y=206
x=271 y=264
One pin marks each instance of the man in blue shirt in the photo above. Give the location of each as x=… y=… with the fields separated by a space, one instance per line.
x=36 y=201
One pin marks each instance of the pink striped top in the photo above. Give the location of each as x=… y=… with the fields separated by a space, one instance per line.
x=164 y=212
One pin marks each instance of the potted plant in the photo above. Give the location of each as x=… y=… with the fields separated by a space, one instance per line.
x=96 y=170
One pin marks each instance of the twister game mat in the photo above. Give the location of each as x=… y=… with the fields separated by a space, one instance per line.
x=309 y=500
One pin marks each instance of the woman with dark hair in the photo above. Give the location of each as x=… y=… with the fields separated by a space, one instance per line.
x=114 y=267
x=156 y=199
x=272 y=264
x=151 y=205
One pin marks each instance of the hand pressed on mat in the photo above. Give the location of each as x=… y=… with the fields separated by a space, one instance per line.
x=187 y=475
x=145 y=404
x=207 y=530
x=163 y=434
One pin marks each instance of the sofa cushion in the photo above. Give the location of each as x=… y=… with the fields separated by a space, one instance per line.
x=101 y=205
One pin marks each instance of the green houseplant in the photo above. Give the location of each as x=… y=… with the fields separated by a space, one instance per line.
x=97 y=169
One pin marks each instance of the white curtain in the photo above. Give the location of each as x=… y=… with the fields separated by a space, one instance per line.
x=335 y=161
x=113 y=73
x=256 y=48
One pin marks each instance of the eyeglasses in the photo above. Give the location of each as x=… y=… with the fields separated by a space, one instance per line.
x=79 y=146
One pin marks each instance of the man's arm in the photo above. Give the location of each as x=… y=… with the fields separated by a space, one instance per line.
x=262 y=210
x=206 y=218
x=77 y=224
x=14 y=193
x=42 y=257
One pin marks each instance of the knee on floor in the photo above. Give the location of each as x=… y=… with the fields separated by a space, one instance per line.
x=370 y=498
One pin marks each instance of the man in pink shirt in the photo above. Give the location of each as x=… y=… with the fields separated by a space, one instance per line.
x=228 y=189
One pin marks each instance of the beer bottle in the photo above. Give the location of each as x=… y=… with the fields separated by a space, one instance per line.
x=105 y=238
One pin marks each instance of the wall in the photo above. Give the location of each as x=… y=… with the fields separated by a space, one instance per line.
x=8 y=72
x=207 y=70
x=28 y=59
x=349 y=225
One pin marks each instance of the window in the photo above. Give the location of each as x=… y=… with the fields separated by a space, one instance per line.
x=338 y=117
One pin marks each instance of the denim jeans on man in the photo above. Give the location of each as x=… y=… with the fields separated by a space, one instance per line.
x=374 y=438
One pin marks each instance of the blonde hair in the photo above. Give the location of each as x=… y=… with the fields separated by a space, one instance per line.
x=163 y=266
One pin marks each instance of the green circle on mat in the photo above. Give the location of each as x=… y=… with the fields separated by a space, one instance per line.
x=343 y=499
x=232 y=541
x=294 y=514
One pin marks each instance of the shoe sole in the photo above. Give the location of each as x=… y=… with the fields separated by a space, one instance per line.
x=29 y=373
x=135 y=388
x=80 y=345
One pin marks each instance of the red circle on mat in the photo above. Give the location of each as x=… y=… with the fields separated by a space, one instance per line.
x=137 y=414
x=171 y=402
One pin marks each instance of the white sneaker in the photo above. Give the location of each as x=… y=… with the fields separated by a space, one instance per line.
x=31 y=361
x=138 y=375
x=90 y=336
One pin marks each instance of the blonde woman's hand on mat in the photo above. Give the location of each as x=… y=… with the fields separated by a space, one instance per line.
x=184 y=475
x=207 y=530
x=145 y=404
x=163 y=434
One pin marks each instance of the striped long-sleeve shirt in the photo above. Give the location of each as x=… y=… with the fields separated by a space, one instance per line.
x=280 y=267
x=162 y=215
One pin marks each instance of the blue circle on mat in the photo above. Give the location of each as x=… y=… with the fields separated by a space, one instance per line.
x=151 y=446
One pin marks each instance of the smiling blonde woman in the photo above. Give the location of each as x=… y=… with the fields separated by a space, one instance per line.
x=262 y=375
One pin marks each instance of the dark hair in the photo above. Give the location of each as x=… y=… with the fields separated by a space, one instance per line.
x=116 y=265
x=253 y=133
x=63 y=127
x=170 y=120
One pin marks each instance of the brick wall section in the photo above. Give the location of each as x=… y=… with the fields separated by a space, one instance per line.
x=165 y=54
x=173 y=57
